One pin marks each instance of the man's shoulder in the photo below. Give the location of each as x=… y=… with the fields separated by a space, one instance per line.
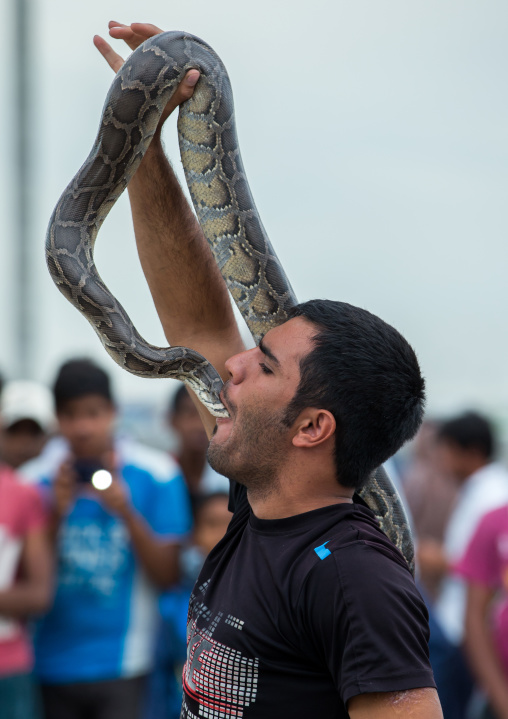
x=357 y=543
x=158 y=464
x=333 y=545
x=359 y=592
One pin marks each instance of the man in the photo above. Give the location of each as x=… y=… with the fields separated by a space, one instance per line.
x=27 y=421
x=280 y=624
x=184 y=420
x=465 y=451
x=26 y=584
x=115 y=548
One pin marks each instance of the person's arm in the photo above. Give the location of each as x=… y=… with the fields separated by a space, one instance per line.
x=32 y=593
x=480 y=648
x=188 y=290
x=431 y=559
x=158 y=557
x=64 y=496
x=410 y=704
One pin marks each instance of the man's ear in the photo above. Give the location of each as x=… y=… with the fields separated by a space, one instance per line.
x=313 y=427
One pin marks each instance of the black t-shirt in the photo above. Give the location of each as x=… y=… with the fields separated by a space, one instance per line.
x=292 y=617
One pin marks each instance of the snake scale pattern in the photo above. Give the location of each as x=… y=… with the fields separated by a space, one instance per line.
x=225 y=209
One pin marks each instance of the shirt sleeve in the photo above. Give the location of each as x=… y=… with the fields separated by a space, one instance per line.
x=480 y=563
x=366 y=621
x=35 y=516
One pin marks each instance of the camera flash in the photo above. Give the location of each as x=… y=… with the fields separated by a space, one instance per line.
x=102 y=479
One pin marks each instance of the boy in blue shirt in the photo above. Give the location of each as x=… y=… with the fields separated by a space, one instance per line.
x=116 y=547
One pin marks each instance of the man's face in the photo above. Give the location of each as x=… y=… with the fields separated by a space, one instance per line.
x=456 y=461
x=252 y=443
x=87 y=424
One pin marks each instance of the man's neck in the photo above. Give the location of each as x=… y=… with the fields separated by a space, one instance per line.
x=298 y=494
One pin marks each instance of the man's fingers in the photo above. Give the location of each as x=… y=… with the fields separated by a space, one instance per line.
x=145 y=29
x=114 y=60
x=134 y=34
x=184 y=90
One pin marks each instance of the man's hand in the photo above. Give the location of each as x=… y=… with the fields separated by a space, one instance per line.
x=134 y=35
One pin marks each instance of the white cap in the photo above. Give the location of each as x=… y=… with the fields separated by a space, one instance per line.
x=27 y=400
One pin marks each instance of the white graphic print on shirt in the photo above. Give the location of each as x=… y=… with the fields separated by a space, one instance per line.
x=219 y=678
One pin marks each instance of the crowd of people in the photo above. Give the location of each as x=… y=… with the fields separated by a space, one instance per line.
x=95 y=579
x=95 y=582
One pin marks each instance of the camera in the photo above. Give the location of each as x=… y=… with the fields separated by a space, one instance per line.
x=86 y=468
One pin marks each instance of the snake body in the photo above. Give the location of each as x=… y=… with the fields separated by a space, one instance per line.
x=225 y=209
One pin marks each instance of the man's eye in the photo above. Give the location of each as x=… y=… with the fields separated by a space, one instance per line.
x=265 y=369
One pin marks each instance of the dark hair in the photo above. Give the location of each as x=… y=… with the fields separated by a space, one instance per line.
x=365 y=373
x=469 y=430
x=78 y=378
x=177 y=399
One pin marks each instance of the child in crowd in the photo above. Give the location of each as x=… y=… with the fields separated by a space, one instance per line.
x=211 y=519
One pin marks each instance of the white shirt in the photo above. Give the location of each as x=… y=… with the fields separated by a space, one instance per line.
x=483 y=491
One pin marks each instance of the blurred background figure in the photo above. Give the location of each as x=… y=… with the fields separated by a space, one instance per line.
x=431 y=495
x=211 y=519
x=484 y=568
x=184 y=420
x=25 y=570
x=465 y=451
x=116 y=546
x=27 y=421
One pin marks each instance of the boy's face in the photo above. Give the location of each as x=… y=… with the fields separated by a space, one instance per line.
x=87 y=424
x=21 y=442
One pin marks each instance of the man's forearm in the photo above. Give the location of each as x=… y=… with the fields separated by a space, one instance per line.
x=189 y=292
x=409 y=704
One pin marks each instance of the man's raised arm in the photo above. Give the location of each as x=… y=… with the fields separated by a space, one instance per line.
x=189 y=293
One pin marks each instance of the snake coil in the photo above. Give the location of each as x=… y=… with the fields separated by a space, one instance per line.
x=225 y=209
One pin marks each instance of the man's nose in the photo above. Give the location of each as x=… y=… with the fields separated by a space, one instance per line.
x=238 y=364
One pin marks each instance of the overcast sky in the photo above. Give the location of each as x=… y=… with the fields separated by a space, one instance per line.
x=374 y=135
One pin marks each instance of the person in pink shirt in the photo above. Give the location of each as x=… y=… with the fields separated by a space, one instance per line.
x=484 y=566
x=25 y=589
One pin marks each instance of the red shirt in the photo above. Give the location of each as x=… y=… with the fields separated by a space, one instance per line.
x=486 y=563
x=21 y=512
